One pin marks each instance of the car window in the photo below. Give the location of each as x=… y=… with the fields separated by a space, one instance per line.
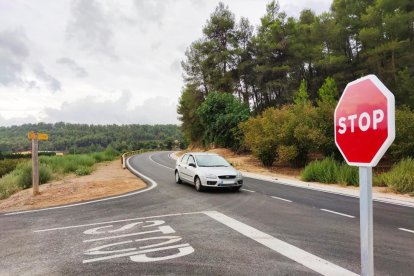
x=211 y=161
x=191 y=159
x=184 y=159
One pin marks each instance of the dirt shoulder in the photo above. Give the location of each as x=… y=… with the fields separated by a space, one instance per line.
x=108 y=179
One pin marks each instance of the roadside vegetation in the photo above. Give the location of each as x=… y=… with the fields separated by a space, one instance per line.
x=51 y=168
x=271 y=90
x=330 y=171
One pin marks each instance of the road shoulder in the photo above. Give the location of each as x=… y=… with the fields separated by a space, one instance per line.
x=109 y=179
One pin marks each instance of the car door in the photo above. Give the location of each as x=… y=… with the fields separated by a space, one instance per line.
x=182 y=167
x=191 y=171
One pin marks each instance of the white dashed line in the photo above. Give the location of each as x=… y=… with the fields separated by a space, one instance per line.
x=406 y=230
x=292 y=252
x=341 y=214
x=159 y=163
x=250 y=191
x=287 y=200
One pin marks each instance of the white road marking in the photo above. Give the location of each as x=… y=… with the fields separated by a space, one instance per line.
x=185 y=249
x=114 y=221
x=287 y=200
x=152 y=185
x=159 y=163
x=162 y=229
x=406 y=230
x=341 y=214
x=307 y=259
x=250 y=191
x=409 y=205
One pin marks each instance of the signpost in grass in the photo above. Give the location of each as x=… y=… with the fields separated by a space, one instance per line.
x=35 y=137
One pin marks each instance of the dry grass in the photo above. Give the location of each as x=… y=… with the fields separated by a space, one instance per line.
x=109 y=179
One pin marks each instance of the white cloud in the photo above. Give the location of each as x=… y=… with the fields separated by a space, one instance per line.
x=79 y=71
x=92 y=110
x=69 y=57
x=13 y=53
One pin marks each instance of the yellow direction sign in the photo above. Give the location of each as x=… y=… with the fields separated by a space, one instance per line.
x=40 y=136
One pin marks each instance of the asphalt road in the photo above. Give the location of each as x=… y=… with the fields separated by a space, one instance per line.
x=265 y=229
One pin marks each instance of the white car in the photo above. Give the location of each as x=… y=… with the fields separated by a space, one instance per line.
x=207 y=170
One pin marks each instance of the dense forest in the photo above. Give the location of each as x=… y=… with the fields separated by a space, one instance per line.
x=264 y=66
x=82 y=138
x=285 y=76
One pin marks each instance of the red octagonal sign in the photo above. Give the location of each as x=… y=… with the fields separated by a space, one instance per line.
x=365 y=121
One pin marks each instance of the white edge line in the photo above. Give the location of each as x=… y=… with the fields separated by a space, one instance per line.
x=341 y=214
x=287 y=200
x=113 y=221
x=159 y=163
x=329 y=192
x=250 y=191
x=406 y=230
x=292 y=252
x=152 y=185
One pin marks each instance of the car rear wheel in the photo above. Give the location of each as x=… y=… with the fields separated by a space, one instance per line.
x=177 y=178
x=198 y=185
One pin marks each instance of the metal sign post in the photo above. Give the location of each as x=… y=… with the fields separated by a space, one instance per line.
x=366 y=221
x=35 y=165
x=364 y=130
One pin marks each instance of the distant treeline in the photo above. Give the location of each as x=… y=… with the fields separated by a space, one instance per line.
x=83 y=138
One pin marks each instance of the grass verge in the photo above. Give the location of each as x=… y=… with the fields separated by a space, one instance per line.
x=330 y=171
x=50 y=168
x=400 y=178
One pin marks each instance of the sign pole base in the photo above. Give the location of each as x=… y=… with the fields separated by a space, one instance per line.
x=366 y=221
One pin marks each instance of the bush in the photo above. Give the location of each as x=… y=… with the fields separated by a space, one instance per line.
x=24 y=175
x=291 y=130
x=8 y=165
x=266 y=154
x=83 y=171
x=348 y=175
x=330 y=171
x=403 y=145
x=324 y=171
x=8 y=185
x=401 y=177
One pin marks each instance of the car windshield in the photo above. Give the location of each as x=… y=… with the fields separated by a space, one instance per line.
x=211 y=161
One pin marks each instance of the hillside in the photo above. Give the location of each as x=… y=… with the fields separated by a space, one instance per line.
x=82 y=138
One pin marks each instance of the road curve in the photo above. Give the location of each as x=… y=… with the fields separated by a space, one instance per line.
x=266 y=229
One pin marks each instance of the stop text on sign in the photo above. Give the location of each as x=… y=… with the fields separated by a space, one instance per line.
x=364 y=121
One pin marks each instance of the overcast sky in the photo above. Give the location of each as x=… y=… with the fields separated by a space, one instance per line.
x=104 y=62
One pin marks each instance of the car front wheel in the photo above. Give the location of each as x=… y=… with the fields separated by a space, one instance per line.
x=177 y=178
x=198 y=185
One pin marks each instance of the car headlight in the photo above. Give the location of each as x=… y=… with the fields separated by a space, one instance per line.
x=210 y=175
x=239 y=175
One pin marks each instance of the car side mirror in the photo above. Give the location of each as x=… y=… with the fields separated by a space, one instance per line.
x=192 y=165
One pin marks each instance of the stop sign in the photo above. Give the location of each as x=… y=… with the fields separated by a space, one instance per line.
x=365 y=121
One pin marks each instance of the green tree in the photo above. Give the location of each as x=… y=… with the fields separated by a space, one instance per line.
x=301 y=97
x=220 y=114
x=191 y=98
